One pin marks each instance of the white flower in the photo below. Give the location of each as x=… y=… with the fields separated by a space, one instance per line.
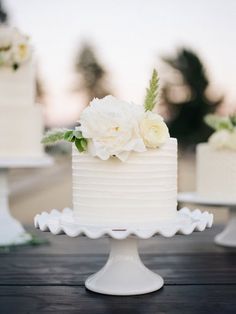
x=14 y=47
x=153 y=130
x=220 y=139
x=112 y=127
x=232 y=141
x=21 y=52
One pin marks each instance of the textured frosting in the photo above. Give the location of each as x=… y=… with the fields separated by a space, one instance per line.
x=142 y=189
x=17 y=88
x=216 y=173
x=21 y=131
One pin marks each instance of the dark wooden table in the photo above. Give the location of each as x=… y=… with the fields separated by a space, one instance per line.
x=200 y=277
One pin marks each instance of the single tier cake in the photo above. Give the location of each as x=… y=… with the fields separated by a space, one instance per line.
x=142 y=189
x=20 y=118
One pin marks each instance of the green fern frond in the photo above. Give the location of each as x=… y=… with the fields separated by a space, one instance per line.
x=54 y=136
x=152 y=92
x=72 y=136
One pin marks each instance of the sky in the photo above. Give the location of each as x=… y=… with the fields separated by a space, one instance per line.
x=130 y=37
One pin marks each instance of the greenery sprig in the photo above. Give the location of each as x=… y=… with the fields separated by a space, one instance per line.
x=218 y=123
x=72 y=136
x=152 y=92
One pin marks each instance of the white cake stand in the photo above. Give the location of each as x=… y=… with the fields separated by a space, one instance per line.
x=124 y=273
x=11 y=230
x=228 y=236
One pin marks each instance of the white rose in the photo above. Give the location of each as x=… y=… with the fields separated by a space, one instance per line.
x=112 y=127
x=153 y=130
x=21 y=49
x=220 y=139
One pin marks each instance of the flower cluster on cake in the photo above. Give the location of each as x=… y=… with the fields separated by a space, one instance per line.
x=111 y=127
x=18 y=112
x=216 y=161
x=14 y=47
x=124 y=163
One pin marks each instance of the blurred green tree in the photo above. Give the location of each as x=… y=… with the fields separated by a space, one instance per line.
x=3 y=14
x=186 y=116
x=92 y=75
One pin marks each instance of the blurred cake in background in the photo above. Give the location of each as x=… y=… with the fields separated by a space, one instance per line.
x=216 y=161
x=20 y=118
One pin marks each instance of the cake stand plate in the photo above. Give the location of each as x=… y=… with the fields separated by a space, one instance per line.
x=11 y=231
x=124 y=273
x=228 y=236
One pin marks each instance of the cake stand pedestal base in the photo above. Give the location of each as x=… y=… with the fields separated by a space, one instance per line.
x=228 y=236
x=11 y=230
x=124 y=273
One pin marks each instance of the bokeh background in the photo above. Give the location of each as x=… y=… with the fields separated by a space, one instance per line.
x=88 y=48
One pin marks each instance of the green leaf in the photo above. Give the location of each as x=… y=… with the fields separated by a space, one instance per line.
x=219 y=123
x=233 y=120
x=81 y=144
x=78 y=145
x=68 y=136
x=152 y=92
x=53 y=137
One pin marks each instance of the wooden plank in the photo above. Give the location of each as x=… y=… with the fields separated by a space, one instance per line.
x=170 y=299
x=74 y=269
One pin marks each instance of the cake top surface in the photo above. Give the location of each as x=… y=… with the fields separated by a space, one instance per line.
x=110 y=127
x=15 y=49
x=224 y=136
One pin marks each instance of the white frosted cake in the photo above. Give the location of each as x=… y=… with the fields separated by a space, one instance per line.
x=124 y=163
x=20 y=118
x=216 y=161
x=142 y=189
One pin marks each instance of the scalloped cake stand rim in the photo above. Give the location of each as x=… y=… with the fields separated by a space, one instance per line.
x=185 y=222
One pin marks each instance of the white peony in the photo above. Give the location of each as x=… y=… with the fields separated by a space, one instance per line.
x=220 y=139
x=112 y=127
x=153 y=130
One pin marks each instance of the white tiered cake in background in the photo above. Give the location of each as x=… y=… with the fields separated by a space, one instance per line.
x=139 y=190
x=20 y=118
x=216 y=161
